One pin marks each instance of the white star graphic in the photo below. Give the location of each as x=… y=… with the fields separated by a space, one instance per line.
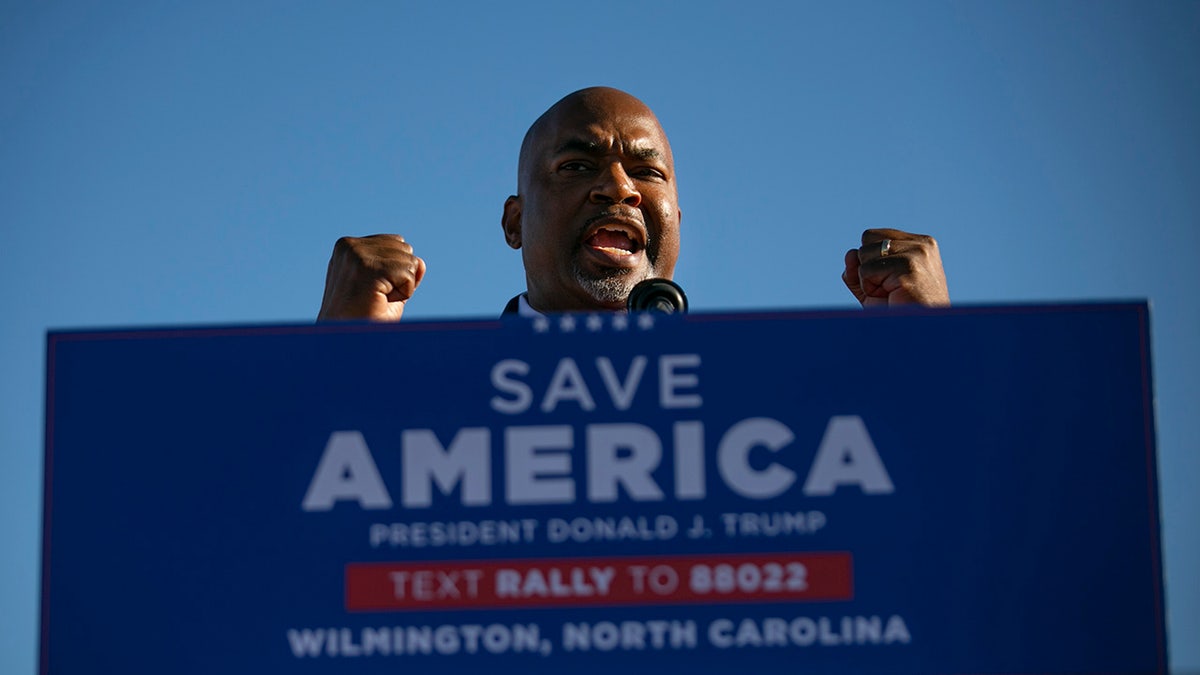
x=645 y=321
x=594 y=322
x=566 y=324
x=541 y=324
x=620 y=321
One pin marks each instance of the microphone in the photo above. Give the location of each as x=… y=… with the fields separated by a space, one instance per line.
x=657 y=295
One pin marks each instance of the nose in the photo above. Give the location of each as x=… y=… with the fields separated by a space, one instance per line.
x=613 y=186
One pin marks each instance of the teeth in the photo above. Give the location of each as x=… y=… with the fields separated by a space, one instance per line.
x=616 y=241
x=614 y=251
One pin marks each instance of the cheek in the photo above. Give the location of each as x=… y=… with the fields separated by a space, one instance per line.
x=668 y=219
x=668 y=241
x=545 y=247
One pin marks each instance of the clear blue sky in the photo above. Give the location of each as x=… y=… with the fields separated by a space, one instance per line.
x=192 y=163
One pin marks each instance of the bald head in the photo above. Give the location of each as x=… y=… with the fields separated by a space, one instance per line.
x=596 y=209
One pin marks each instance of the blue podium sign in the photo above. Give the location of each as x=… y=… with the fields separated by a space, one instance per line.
x=960 y=491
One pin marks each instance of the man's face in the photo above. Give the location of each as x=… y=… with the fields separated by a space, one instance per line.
x=597 y=210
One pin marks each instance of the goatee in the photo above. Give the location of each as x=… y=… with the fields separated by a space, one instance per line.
x=613 y=287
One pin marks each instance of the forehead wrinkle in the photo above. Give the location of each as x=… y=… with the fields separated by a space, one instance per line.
x=638 y=150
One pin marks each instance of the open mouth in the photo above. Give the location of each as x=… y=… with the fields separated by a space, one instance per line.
x=614 y=240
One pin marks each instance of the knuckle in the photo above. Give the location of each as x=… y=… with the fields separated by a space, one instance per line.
x=405 y=287
x=386 y=242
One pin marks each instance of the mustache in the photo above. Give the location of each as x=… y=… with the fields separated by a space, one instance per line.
x=625 y=214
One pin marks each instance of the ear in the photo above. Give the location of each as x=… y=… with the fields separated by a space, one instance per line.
x=510 y=220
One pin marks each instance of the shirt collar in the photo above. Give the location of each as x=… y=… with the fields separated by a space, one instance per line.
x=525 y=309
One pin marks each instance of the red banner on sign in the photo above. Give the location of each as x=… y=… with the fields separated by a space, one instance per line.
x=579 y=582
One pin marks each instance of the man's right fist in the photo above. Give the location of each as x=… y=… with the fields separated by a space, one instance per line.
x=370 y=278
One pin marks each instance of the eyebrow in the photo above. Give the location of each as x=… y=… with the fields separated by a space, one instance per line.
x=593 y=148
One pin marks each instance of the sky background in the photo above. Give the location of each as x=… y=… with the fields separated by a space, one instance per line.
x=169 y=163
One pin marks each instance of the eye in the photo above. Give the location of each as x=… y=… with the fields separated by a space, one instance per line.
x=574 y=166
x=649 y=172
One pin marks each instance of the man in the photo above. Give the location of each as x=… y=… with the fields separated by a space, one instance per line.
x=597 y=211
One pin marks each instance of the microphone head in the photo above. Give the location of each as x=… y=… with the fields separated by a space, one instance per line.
x=657 y=295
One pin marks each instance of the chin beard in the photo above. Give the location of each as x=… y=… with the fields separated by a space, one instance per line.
x=613 y=287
